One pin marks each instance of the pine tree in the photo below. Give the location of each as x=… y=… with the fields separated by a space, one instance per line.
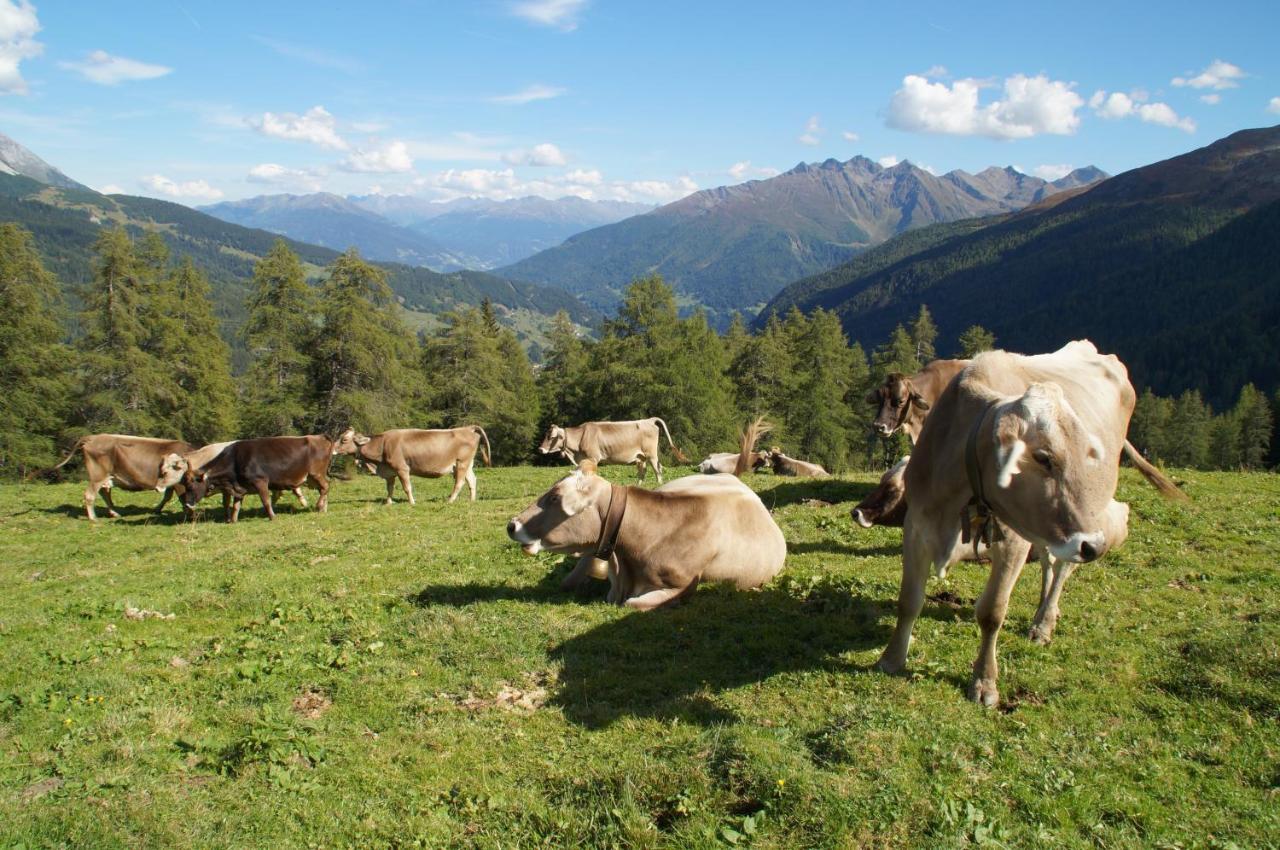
x=1187 y=435
x=1223 y=442
x=201 y=363
x=1149 y=424
x=280 y=328
x=1253 y=417
x=898 y=354
x=924 y=333
x=360 y=368
x=819 y=419
x=35 y=366
x=763 y=375
x=563 y=369
x=736 y=337
x=974 y=341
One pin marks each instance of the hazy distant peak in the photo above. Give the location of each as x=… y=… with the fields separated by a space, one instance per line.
x=16 y=159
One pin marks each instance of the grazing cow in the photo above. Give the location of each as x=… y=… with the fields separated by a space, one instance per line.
x=635 y=441
x=120 y=460
x=887 y=505
x=903 y=401
x=783 y=465
x=425 y=453
x=1021 y=451
x=727 y=462
x=263 y=465
x=657 y=545
x=174 y=466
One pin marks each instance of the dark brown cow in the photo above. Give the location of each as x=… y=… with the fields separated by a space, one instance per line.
x=425 y=453
x=124 y=461
x=887 y=504
x=903 y=401
x=263 y=465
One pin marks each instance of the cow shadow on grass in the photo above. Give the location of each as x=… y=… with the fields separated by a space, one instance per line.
x=129 y=514
x=794 y=490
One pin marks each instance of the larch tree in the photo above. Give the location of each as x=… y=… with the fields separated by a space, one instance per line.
x=898 y=354
x=559 y=381
x=278 y=334
x=974 y=341
x=1253 y=418
x=819 y=419
x=35 y=365
x=201 y=362
x=924 y=333
x=1187 y=434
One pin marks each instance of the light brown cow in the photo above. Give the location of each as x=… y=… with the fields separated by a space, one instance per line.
x=634 y=441
x=903 y=401
x=404 y=452
x=727 y=462
x=124 y=461
x=174 y=466
x=789 y=466
x=1044 y=435
x=657 y=544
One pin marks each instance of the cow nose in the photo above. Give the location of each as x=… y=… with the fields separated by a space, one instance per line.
x=882 y=430
x=1088 y=552
x=513 y=528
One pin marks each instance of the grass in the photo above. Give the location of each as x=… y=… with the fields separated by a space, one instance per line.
x=404 y=677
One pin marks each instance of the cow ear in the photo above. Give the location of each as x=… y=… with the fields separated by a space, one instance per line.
x=1010 y=447
x=202 y=477
x=587 y=467
x=361 y=439
x=918 y=401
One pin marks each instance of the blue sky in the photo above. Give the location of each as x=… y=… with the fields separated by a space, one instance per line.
x=641 y=101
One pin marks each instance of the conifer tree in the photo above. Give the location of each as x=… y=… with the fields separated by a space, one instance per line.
x=1253 y=418
x=1223 y=442
x=360 y=368
x=200 y=360
x=563 y=370
x=736 y=336
x=1148 y=426
x=974 y=341
x=1187 y=435
x=819 y=419
x=35 y=366
x=898 y=354
x=763 y=376
x=924 y=333
x=279 y=331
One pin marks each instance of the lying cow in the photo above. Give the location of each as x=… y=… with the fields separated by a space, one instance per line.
x=903 y=401
x=174 y=466
x=1031 y=443
x=657 y=545
x=727 y=462
x=119 y=460
x=887 y=505
x=261 y=466
x=789 y=466
x=634 y=441
x=426 y=453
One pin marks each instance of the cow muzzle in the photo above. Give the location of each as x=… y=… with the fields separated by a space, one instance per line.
x=882 y=429
x=1080 y=548
x=529 y=544
x=861 y=519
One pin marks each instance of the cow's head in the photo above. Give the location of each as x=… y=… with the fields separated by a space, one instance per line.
x=565 y=518
x=894 y=400
x=195 y=486
x=1054 y=478
x=886 y=500
x=552 y=441
x=173 y=467
x=347 y=442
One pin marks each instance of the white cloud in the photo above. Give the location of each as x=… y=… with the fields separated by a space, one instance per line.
x=311 y=55
x=585 y=177
x=1219 y=75
x=391 y=158
x=316 y=126
x=888 y=161
x=1273 y=106
x=1211 y=99
x=541 y=156
x=529 y=94
x=194 y=189
x=1120 y=105
x=812 y=132
x=106 y=70
x=850 y=136
x=935 y=72
x=1030 y=106
x=1052 y=172
x=456 y=147
x=503 y=184
x=369 y=126
x=744 y=170
x=112 y=189
x=278 y=175
x=18 y=28
x=561 y=14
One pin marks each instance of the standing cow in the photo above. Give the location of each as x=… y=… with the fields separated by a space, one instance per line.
x=903 y=401
x=426 y=453
x=124 y=461
x=1029 y=449
x=261 y=466
x=174 y=466
x=634 y=441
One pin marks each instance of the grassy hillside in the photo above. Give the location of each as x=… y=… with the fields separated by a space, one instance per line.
x=399 y=677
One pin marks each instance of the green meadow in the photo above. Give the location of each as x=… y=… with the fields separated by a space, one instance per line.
x=404 y=677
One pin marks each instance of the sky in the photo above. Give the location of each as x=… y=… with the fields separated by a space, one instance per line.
x=202 y=102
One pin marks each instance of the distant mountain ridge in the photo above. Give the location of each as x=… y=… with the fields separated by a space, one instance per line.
x=18 y=160
x=734 y=247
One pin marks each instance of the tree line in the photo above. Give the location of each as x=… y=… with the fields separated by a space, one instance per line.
x=151 y=361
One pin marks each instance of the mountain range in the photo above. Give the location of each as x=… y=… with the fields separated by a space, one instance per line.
x=1172 y=266
x=16 y=160
x=734 y=247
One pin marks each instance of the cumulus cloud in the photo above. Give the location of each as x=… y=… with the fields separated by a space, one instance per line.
x=935 y=72
x=278 y=175
x=541 y=156
x=888 y=161
x=197 y=190
x=316 y=126
x=391 y=158
x=504 y=184
x=812 y=134
x=1120 y=105
x=1273 y=106
x=18 y=28
x=1219 y=75
x=561 y=14
x=528 y=94
x=106 y=70
x=112 y=189
x=585 y=177
x=850 y=136
x=744 y=170
x=1211 y=99
x=1051 y=172
x=1030 y=106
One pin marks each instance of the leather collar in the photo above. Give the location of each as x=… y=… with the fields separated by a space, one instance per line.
x=978 y=522
x=612 y=522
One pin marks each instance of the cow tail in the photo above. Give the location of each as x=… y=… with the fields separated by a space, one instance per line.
x=484 y=452
x=1157 y=478
x=746 y=453
x=680 y=456
x=79 y=445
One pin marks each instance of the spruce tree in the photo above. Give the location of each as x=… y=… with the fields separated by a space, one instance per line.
x=563 y=370
x=35 y=366
x=898 y=354
x=201 y=362
x=1253 y=417
x=1149 y=425
x=924 y=333
x=1187 y=435
x=763 y=375
x=278 y=333
x=1223 y=442
x=974 y=341
x=819 y=419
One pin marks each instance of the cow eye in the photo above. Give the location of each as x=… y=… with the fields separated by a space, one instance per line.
x=1045 y=459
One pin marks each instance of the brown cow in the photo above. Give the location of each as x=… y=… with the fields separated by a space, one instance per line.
x=789 y=466
x=425 y=453
x=174 y=466
x=263 y=465
x=1033 y=444
x=657 y=544
x=903 y=401
x=634 y=441
x=124 y=461
x=727 y=462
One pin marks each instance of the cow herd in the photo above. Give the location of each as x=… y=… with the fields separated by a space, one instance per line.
x=1015 y=458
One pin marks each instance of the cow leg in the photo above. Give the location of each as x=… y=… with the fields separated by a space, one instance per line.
x=620 y=581
x=641 y=469
x=406 y=481
x=657 y=467
x=1007 y=558
x=471 y=480
x=587 y=567
x=90 y=495
x=164 y=499
x=302 y=497
x=236 y=500
x=1047 y=616
x=226 y=506
x=459 y=478
x=264 y=493
x=106 y=497
x=391 y=488
x=322 y=482
x=916 y=561
x=655 y=598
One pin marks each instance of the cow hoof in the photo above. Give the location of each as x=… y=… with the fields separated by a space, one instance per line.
x=113 y=514
x=891 y=666
x=389 y=502
x=1040 y=634
x=984 y=692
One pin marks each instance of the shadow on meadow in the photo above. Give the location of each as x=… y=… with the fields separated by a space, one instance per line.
x=794 y=490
